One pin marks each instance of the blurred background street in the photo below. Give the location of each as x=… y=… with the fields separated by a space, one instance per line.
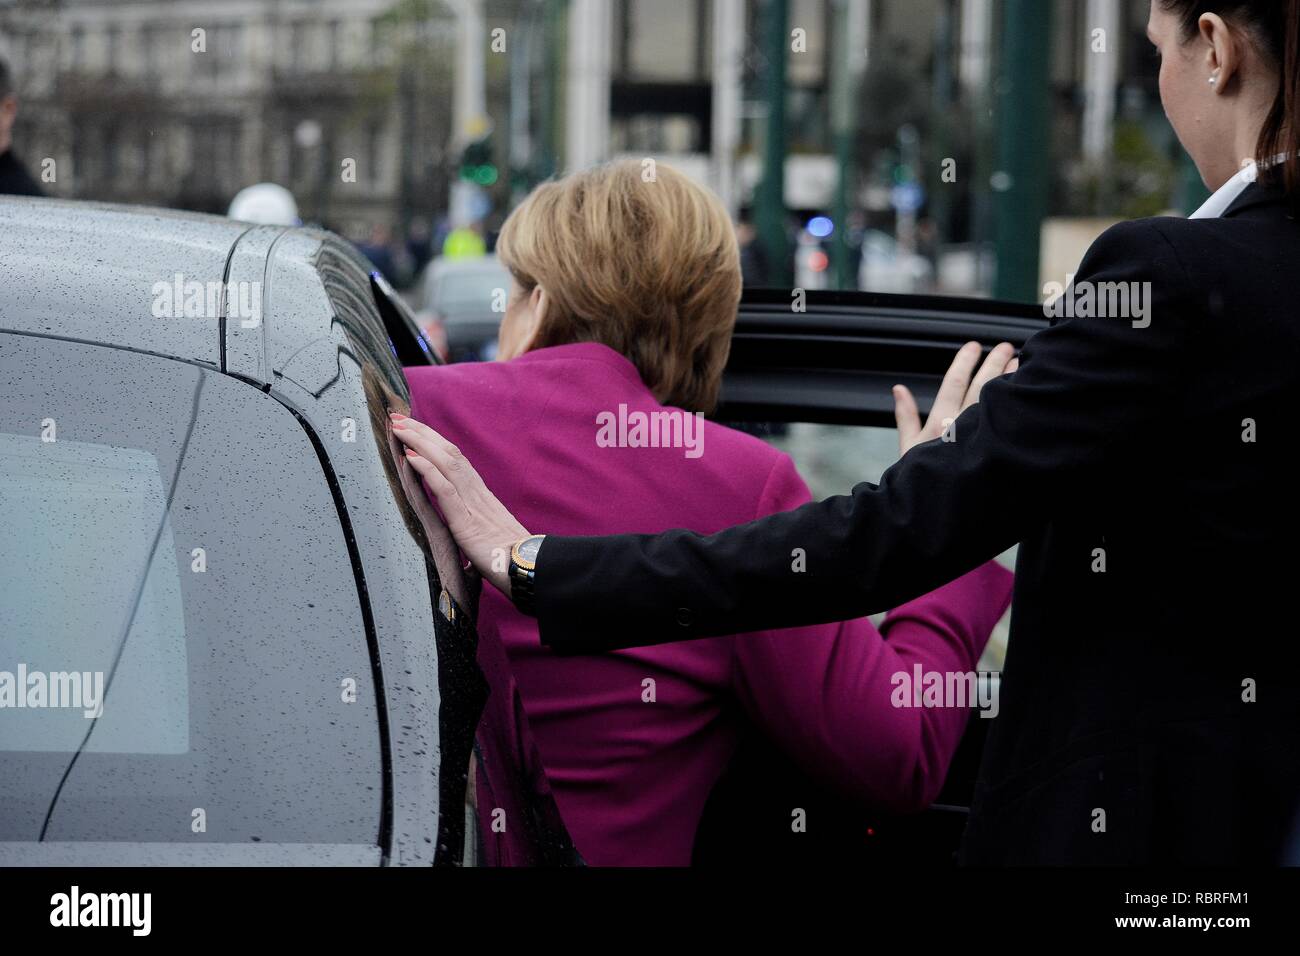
x=970 y=147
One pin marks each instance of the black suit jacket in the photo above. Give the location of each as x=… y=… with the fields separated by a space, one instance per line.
x=1150 y=705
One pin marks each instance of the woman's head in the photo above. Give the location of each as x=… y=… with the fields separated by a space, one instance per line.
x=634 y=256
x=1230 y=82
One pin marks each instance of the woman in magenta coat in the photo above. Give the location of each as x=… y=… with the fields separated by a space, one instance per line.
x=615 y=336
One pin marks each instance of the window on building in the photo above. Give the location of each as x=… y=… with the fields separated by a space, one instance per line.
x=113 y=51
x=662 y=40
x=335 y=33
x=77 y=44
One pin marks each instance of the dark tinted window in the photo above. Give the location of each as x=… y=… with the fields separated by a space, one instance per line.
x=177 y=535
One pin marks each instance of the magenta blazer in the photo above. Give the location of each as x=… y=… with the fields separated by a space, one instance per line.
x=633 y=741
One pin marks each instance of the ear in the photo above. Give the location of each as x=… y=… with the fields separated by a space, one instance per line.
x=1223 y=54
x=538 y=302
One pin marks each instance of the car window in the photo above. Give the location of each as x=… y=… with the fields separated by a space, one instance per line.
x=834 y=458
x=175 y=534
x=87 y=516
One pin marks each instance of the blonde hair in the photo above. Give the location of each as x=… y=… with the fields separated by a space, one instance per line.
x=641 y=259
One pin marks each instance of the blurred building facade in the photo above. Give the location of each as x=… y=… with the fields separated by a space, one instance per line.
x=663 y=84
x=116 y=93
x=181 y=103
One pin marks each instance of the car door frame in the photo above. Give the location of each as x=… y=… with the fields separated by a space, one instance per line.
x=832 y=358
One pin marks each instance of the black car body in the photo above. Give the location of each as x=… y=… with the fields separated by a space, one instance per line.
x=204 y=508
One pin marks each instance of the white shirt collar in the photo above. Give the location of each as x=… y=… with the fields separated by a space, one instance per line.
x=1227 y=194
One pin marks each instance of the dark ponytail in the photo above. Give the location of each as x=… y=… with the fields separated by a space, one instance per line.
x=1276 y=24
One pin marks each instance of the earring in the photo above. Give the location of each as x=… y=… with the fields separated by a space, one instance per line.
x=1214 y=81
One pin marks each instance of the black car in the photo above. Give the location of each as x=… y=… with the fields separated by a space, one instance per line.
x=201 y=503
x=204 y=515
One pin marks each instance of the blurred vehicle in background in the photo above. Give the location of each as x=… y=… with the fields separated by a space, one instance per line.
x=460 y=304
x=887 y=267
x=964 y=269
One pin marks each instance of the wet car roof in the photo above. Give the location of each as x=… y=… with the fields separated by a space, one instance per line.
x=95 y=272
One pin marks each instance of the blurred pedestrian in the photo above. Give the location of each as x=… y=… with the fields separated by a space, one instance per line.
x=14 y=178
x=927 y=242
x=380 y=250
x=419 y=243
x=466 y=242
x=753 y=258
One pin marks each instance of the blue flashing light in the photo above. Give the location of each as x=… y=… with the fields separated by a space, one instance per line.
x=820 y=226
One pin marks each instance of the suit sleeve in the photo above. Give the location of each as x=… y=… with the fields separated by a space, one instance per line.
x=1085 y=386
x=826 y=694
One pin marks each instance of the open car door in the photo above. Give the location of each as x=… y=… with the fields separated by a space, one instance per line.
x=817 y=384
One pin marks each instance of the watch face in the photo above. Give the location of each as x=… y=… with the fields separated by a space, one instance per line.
x=527 y=551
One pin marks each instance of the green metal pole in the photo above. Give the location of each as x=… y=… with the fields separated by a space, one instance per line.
x=547 y=163
x=981 y=100
x=843 y=127
x=769 y=199
x=1021 y=182
x=944 y=95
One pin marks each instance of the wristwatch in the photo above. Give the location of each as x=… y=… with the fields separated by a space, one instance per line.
x=523 y=569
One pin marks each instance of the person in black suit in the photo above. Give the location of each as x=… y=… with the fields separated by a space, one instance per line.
x=1142 y=457
x=14 y=178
